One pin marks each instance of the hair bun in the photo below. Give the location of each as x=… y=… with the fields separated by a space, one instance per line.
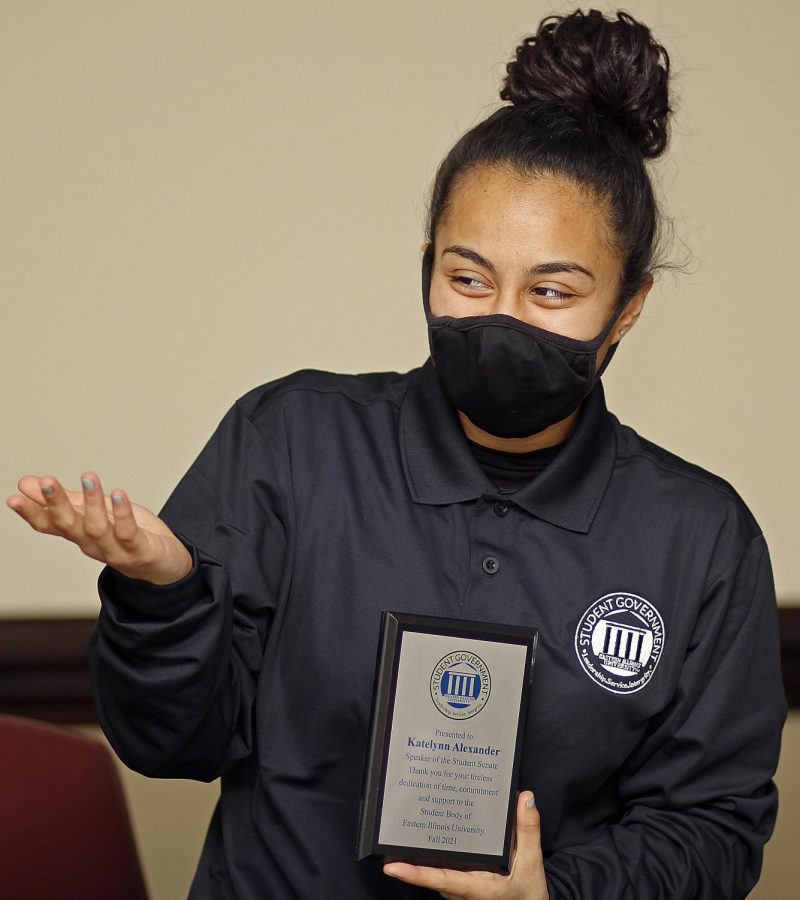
x=586 y=61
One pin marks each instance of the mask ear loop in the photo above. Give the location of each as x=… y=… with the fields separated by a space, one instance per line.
x=611 y=351
x=606 y=331
x=427 y=274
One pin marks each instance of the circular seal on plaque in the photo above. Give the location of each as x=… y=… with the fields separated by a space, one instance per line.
x=460 y=684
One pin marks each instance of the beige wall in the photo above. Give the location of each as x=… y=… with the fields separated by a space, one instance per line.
x=200 y=196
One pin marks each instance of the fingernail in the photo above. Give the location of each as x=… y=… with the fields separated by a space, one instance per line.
x=88 y=483
x=116 y=499
x=48 y=491
x=531 y=804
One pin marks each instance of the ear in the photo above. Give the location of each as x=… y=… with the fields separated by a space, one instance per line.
x=424 y=247
x=632 y=311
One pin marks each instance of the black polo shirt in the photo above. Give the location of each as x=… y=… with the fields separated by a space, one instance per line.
x=321 y=500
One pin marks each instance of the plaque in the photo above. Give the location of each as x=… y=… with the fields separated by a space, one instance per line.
x=448 y=716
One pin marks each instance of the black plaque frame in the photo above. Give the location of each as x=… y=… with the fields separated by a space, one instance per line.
x=393 y=625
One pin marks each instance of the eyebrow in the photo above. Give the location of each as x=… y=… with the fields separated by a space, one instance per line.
x=548 y=268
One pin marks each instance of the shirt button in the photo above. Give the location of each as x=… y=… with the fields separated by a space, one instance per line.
x=500 y=508
x=490 y=565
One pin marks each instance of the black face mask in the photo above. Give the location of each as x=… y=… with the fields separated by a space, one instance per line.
x=510 y=378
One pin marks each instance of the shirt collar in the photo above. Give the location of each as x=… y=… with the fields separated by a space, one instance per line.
x=440 y=468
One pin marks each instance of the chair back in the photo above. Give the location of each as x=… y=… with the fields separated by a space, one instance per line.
x=64 y=827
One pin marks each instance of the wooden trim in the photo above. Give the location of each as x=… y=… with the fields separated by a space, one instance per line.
x=43 y=670
x=44 y=674
x=789 y=617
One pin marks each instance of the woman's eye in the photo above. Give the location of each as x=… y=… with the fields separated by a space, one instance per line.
x=550 y=293
x=466 y=281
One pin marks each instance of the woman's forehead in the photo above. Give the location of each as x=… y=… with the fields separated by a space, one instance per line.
x=511 y=215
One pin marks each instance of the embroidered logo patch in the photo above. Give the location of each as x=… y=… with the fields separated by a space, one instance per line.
x=619 y=641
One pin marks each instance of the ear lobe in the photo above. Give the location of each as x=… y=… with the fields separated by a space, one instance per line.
x=633 y=309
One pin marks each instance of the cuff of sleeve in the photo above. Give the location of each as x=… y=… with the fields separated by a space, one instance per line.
x=142 y=597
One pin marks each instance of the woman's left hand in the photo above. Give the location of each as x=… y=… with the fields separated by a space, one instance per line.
x=526 y=880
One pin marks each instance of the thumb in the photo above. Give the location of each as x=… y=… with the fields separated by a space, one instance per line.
x=528 y=858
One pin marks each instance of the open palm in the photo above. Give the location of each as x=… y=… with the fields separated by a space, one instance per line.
x=108 y=528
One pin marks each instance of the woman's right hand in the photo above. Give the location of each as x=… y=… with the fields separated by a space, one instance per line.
x=110 y=529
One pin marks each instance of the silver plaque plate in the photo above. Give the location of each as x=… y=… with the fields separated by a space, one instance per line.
x=448 y=711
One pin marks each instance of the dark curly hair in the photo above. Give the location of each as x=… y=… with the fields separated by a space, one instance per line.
x=589 y=103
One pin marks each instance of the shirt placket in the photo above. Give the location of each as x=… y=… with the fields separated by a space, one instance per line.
x=494 y=583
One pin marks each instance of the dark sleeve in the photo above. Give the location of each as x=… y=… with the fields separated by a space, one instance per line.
x=174 y=667
x=697 y=798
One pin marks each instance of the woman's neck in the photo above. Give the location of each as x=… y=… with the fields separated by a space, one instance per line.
x=554 y=434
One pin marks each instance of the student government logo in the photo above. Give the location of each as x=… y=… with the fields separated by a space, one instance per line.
x=619 y=641
x=460 y=684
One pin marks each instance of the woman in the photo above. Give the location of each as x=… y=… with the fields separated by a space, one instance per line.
x=238 y=631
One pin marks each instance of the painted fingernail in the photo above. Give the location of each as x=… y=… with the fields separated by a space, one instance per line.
x=88 y=483
x=116 y=499
x=48 y=491
x=531 y=804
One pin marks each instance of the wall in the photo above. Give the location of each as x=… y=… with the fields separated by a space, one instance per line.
x=200 y=197
x=205 y=196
